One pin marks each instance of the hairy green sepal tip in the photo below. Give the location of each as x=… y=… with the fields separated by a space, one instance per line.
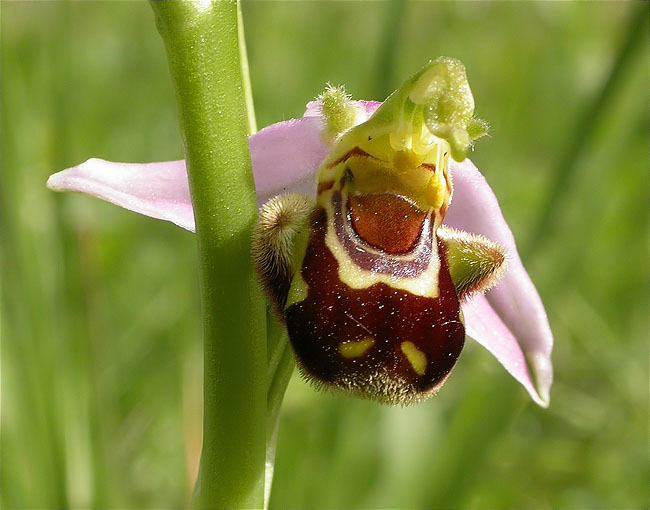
x=475 y=263
x=339 y=110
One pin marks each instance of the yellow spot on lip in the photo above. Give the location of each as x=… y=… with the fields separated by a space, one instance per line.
x=436 y=191
x=416 y=357
x=355 y=348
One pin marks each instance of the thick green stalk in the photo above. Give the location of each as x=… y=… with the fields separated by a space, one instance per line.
x=201 y=38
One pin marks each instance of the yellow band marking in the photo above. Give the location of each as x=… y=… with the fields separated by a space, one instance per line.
x=356 y=348
x=416 y=357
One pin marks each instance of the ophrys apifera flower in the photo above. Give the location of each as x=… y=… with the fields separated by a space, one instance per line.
x=379 y=244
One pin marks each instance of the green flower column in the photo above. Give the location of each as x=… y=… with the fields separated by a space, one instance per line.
x=201 y=39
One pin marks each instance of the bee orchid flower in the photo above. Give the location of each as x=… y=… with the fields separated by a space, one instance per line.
x=507 y=319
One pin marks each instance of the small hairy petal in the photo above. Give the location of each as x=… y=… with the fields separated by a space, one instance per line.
x=159 y=190
x=514 y=299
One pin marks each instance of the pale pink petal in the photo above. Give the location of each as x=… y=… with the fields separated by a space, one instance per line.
x=285 y=157
x=159 y=190
x=486 y=327
x=515 y=300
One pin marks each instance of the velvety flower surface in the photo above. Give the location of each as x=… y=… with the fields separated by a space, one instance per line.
x=509 y=320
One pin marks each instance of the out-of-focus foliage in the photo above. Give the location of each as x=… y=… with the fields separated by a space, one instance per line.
x=101 y=356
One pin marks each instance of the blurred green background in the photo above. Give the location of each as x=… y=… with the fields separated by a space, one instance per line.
x=101 y=348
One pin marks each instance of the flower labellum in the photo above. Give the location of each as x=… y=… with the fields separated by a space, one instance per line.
x=371 y=266
x=366 y=278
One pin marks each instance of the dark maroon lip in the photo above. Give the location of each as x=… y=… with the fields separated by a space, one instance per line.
x=333 y=313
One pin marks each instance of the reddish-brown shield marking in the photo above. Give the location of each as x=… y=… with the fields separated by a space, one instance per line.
x=386 y=221
x=379 y=342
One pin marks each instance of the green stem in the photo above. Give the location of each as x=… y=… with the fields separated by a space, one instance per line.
x=202 y=44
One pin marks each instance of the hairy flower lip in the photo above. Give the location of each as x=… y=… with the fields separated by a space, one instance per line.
x=509 y=320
